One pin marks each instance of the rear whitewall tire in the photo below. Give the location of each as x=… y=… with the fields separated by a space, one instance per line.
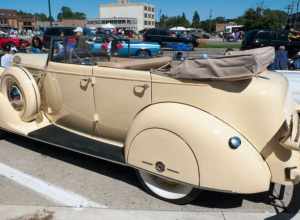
x=167 y=190
x=29 y=92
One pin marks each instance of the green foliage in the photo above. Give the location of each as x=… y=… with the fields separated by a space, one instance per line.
x=175 y=21
x=41 y=17
x=260 y=18
x=23 y=13
x=196 y=20
x=253 y=18
x=67 y=13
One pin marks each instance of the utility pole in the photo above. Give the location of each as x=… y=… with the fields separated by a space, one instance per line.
x=210 y=20
x=297 y=13
x=50 y=13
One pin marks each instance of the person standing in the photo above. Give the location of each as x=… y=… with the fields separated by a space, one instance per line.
x=281 y=59
x=36 y=45
x=8 y=57
x=77 y=46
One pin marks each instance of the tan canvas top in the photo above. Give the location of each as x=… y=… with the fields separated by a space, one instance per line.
x=136 y=64
x=237 y=65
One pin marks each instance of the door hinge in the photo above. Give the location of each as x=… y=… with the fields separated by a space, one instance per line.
x=96 y=118
x=93 y=81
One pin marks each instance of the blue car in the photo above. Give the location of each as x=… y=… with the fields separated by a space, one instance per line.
x=125 y=47
x=179 y=46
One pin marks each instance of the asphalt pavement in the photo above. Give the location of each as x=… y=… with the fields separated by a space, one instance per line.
x=40 y=175
x=36 y=176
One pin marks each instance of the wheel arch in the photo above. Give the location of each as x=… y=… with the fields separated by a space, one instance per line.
x=144 y=49
x=207 y=137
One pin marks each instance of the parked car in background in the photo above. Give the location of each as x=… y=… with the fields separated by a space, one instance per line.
x=125 y=47
x=200 y=34
x=56 y=32
x=12 y=41
x=182 y=126
x=262 y=38
x=164 y=36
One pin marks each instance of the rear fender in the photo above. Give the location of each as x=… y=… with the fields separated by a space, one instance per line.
x=184 y=138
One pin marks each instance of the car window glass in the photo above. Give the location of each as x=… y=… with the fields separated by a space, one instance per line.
x=153 y=32
x=264 y=35
x=53 y=32
x=87 y=51
x=282 y=36
x=68 y=32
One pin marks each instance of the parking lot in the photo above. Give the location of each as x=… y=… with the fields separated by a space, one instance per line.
x=105 y=185
x=35 y=174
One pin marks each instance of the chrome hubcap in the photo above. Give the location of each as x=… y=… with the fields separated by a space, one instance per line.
x=15 y=96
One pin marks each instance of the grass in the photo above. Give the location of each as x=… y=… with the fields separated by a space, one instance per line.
x=221 y=45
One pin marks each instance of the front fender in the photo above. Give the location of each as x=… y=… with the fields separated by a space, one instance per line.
x=220 y=167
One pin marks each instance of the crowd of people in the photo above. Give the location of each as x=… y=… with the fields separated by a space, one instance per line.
x=75 y=45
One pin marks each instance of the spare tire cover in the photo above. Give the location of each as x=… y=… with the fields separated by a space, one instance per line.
x=19 y=86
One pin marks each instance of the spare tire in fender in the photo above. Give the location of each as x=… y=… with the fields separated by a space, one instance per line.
x=19 y=86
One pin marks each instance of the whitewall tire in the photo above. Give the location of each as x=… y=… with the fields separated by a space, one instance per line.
x=19 y=86
x=167 y=190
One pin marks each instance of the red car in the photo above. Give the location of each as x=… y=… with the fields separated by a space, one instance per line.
x=13 y=41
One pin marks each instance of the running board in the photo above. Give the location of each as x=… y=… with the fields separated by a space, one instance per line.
x=66 y=139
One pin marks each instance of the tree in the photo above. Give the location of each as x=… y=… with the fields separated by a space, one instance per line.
x=163 y=21
x=183 y=21
x=196 y=20
x=260 y=18
x=67 y=13
x=41 y=17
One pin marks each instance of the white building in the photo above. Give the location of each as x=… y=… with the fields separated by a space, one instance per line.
x=142 y=12
x=117 y=22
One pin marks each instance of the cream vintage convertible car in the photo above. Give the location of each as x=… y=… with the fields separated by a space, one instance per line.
x=224 y=124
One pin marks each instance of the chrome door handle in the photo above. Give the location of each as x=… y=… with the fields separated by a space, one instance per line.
x=139 y=90
x=84 y=83
x=145 y=86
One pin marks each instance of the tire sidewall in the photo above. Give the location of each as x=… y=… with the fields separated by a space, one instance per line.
x=28 y=88
x=183 y=201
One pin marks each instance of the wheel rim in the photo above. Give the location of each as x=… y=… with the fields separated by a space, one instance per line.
x=15 y=95
x=164 y=188
x=143 y=53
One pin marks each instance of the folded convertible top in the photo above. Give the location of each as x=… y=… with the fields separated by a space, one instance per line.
x=236 y=65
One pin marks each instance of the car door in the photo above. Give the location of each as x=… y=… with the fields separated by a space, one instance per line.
x=282 y=39
x=264 y=38
x=119 y=95
x=68 y=95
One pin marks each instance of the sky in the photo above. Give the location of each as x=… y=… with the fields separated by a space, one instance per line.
x=225 y=8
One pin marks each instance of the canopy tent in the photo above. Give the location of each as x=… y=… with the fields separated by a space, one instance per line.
x=178 y=29
x=108 y=26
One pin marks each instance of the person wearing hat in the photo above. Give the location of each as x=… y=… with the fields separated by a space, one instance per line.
x=77 y=46
x=8 y=57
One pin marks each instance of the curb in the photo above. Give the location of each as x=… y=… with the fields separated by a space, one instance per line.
x=65 y=213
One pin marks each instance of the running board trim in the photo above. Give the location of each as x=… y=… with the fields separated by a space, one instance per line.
x=66 y=139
